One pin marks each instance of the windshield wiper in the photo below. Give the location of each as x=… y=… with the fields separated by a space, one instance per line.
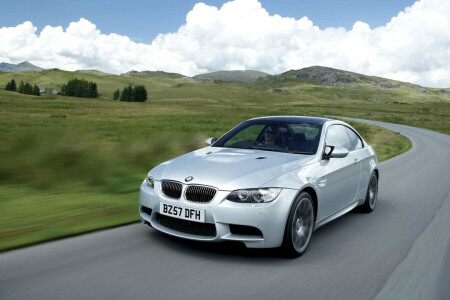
x=270 y=149
x=265 y=148
x=299 y=152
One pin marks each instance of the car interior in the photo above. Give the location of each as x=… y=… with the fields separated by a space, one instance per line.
x=287 y=139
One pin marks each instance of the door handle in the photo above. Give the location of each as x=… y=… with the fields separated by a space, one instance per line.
x=356 y=160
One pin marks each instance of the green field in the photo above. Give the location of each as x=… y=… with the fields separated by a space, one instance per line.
x=70 y=165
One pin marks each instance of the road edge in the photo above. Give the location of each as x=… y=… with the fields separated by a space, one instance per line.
x=421 y=273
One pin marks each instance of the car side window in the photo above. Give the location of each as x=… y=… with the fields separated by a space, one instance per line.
x=337 y=136
x=355 y=141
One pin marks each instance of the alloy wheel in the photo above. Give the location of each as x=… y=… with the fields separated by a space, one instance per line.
x=302 y=225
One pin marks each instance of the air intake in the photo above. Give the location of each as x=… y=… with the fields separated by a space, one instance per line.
x=202 y=229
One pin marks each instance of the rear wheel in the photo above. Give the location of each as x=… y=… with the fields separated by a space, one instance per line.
x=372 y=194
x=299 y=226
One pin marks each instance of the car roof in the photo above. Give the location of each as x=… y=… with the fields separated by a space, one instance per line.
x=296 y=119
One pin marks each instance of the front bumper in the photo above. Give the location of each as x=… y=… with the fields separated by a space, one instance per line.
x=269 y=218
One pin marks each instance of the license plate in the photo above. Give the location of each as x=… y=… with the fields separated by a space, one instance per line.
x=185 y=213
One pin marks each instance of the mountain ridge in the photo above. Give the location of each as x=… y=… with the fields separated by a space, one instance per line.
x=233 y=75
x=315 y=74
x=20 y=67
x=292 y=81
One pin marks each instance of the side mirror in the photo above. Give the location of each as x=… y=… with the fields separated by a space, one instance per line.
x=335 y=151
x=210 y=141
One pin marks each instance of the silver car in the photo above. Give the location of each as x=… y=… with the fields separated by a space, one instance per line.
x=269 y=182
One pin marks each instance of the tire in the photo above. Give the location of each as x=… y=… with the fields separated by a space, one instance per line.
x=372 y=195
x=299 y=226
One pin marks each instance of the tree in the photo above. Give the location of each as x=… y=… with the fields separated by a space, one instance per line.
x=36 y=91
x=13 y=85
x=116 y=94
x=92 y=90
x=28 y=89
x=80 y=88
x=21 y=87
x=130 y=94
x=127 y=94
x=139 y=94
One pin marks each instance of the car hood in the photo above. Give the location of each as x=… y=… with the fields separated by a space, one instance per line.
x=230 y=168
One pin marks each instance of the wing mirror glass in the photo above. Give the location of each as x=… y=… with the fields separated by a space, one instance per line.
x=210 y=141
x=335 y=151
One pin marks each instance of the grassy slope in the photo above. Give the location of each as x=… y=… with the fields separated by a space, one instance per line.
x=106 y=83
x=69 y=165
x=238 y=75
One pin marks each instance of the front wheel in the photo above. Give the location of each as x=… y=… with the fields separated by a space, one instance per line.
x=299 y=226
x=372 y=194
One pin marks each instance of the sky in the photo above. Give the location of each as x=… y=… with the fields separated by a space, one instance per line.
x=398 y=39
x=143 y=20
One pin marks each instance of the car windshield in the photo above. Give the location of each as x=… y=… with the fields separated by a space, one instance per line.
x=280 y=136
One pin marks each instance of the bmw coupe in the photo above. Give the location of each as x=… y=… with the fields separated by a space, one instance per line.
x=269 y=182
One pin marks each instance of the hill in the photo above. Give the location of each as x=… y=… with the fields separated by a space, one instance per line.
x=21 y=67
x=339 y=84
x=93 y=72
x=329 y=76
x=313 y=83
x=234 y=76
x=152 y=74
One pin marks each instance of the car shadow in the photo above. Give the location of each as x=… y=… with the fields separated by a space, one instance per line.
x=225 y=249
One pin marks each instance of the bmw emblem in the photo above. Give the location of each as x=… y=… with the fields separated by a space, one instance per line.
x=189 y=178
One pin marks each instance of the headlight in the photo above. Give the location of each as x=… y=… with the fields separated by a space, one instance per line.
x=150 y=181
x=254 y=195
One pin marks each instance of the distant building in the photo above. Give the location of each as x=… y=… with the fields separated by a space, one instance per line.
x=43 y=90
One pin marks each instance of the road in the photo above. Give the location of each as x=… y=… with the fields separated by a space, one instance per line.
x=400 y=251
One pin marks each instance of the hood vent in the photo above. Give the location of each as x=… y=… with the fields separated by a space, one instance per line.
x=260 y=157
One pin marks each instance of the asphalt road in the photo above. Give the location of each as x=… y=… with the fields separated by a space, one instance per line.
x=400 y=251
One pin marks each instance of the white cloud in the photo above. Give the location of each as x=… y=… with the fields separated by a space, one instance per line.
x=414 y=46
